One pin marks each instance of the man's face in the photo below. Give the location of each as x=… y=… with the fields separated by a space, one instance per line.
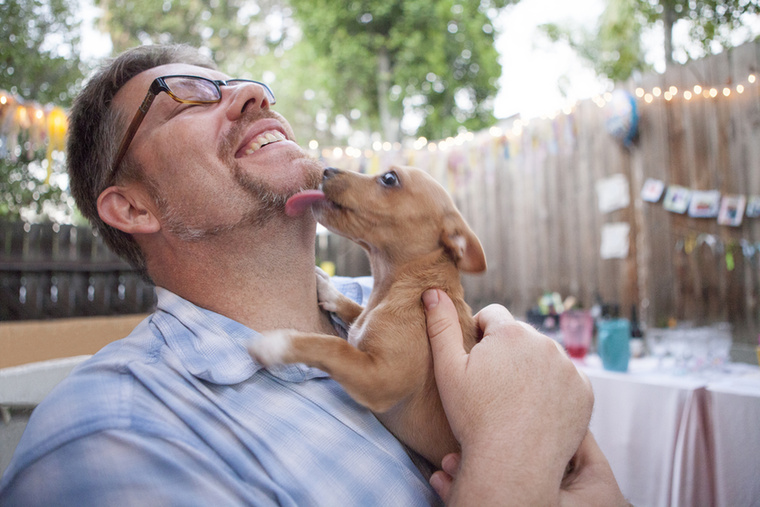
x=207 y=164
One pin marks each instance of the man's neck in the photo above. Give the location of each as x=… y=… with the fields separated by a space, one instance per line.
x=263 y=279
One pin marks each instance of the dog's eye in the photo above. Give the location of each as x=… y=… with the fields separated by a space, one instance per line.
x=389 y=179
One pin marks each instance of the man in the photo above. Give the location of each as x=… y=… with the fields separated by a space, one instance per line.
x=185 y=172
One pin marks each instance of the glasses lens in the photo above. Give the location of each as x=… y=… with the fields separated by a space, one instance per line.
x=193 y=88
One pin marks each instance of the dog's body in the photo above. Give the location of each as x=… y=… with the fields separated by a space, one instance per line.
x=415 y=239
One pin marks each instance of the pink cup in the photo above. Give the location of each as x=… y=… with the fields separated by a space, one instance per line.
x=577 y=328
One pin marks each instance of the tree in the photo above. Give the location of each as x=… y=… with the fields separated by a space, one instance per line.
x=231 y=31
x=615 y=47
x=713 y=24
x=40 y=63
x=390 y=58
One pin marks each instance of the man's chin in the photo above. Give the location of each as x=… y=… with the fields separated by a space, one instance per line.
x=313 y=170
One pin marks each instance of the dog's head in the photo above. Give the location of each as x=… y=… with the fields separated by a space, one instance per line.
x=403 y=213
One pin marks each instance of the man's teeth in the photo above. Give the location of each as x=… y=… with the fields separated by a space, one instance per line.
x=270 y=136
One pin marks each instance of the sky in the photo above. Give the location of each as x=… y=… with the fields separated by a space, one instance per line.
x=532 y=65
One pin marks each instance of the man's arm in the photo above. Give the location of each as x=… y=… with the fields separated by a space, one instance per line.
x=518 y=406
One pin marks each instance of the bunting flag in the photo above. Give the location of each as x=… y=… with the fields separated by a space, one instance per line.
x=29 y=127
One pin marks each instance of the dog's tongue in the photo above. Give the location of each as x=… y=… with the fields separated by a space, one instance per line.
x=301 y=201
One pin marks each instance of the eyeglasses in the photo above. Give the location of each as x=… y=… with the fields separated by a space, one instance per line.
x=183 y=89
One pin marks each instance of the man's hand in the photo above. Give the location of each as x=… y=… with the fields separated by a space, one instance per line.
x=516 y=403
x=591 y=482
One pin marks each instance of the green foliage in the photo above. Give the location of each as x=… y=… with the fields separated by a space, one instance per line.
x=711 y=22
x=226 y=28
x=38 y=58
x=389 y=57
x=38 y=63
x=23 y=188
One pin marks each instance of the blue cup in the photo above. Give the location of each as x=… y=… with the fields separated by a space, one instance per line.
x=613 y=343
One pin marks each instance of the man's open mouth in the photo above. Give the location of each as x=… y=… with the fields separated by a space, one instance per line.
x=263 y=139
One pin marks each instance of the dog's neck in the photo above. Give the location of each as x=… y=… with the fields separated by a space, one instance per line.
x=435 y=269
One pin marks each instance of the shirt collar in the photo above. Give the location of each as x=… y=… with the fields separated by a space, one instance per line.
x=213 y=347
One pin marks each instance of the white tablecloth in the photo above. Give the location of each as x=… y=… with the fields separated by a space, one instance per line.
x=675 y=440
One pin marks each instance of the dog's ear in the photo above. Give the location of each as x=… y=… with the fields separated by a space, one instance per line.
x=463 y=246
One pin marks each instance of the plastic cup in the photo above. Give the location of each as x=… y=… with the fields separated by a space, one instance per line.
x=613 y=345
x=577 y=327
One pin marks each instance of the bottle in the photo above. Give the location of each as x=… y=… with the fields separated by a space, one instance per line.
x=637 y=336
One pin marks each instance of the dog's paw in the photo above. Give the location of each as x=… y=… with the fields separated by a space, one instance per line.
x=327 y=294
x=271 y=347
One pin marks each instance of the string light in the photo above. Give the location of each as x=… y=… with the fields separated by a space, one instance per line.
x=668 y=93
x=671 y=92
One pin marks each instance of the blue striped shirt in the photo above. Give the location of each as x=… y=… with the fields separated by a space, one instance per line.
x=178 y=413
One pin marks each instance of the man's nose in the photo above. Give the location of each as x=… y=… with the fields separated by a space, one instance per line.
x=245 y=98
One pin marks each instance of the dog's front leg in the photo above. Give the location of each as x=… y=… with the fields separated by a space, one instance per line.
x=331 y=300
x=358 y=372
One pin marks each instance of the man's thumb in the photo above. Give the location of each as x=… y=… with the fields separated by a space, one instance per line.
x=444 y=330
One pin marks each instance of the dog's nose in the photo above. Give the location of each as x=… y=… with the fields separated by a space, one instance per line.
x=330 y=172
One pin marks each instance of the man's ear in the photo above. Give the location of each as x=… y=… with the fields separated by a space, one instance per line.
x=127 y=210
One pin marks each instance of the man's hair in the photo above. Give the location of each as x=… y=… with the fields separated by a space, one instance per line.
x=96 y=129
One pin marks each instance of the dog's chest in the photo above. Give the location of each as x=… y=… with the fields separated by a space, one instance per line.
x=357 y=330
x=383 y=324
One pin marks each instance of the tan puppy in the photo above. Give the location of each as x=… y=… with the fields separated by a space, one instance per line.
x=416 y=239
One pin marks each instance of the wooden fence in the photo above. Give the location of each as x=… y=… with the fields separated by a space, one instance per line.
x=529 y=190
x=52 y=271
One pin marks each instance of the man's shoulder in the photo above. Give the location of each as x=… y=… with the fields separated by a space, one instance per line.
x=97 y=395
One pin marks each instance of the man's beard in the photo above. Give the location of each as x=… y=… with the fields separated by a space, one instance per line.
x=269 y=203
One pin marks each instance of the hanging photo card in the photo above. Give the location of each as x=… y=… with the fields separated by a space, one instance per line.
x=652 y=190
x=704 y=203
x=753 y=206
x=732 y=210
x=615 y=242
x=612 y=193
x=677 y=199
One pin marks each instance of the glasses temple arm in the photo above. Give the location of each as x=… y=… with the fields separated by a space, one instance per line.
x=130 y=133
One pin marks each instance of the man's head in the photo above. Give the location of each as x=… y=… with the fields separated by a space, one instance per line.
x=190 y=170
x=95 y=129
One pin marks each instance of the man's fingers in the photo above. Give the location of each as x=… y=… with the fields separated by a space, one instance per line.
x=450 y=463
x=443 y=328
x=441 y=483
x=493 y=316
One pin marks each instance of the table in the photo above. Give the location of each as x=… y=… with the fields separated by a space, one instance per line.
x=733 y=408
x=675 y=440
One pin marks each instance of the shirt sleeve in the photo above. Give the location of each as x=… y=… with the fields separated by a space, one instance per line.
x=116 y=467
